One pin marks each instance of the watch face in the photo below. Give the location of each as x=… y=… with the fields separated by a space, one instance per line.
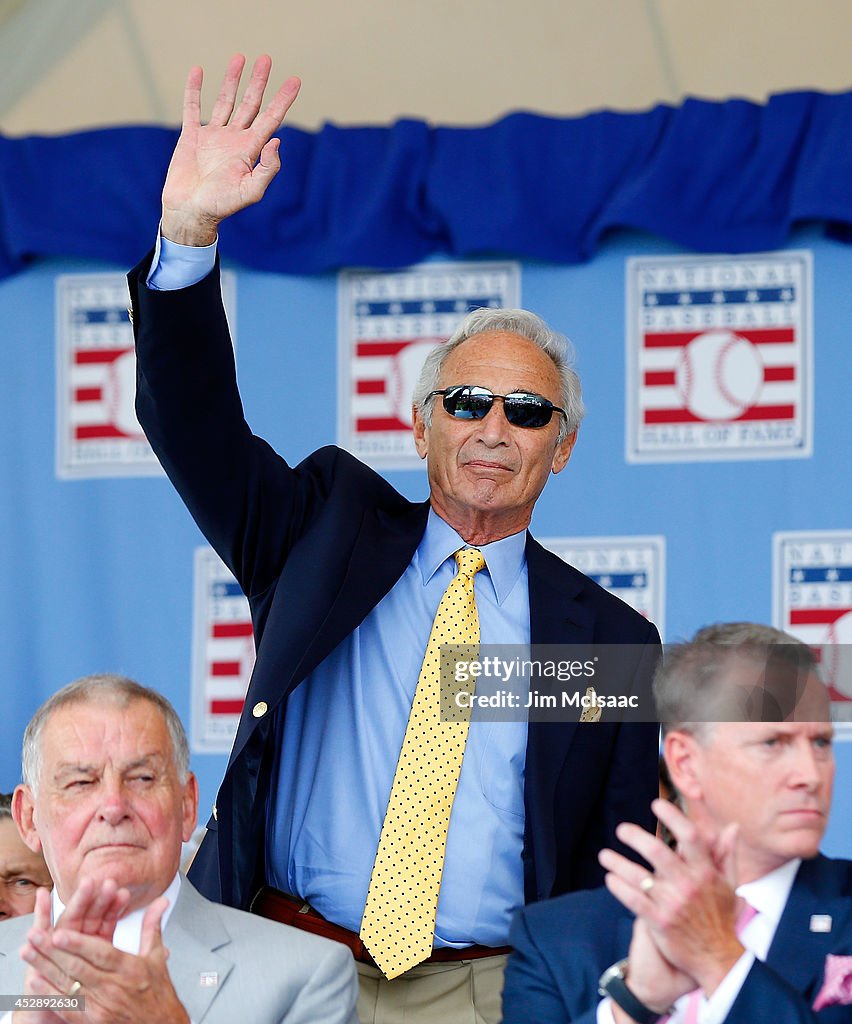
x=612 y=983
x=617 y=970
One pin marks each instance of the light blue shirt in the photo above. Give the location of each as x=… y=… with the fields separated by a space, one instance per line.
x=343 y=730
x=341 y=740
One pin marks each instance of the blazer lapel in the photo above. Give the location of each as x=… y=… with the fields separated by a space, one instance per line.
x=197 y=966
x=380 y=555
x=798 y=952
x=556 y=617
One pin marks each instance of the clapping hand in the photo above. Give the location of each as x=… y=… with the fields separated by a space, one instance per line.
x=687 y=905
x=118 y=988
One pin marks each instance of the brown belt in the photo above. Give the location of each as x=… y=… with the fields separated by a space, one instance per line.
x=280 y=906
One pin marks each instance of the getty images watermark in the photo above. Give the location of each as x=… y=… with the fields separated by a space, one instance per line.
x=547 y=682
x=599 y=683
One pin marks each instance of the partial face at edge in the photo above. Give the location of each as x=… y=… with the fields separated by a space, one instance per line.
x=22 y=872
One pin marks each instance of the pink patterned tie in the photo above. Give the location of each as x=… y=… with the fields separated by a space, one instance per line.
x=690 y=1015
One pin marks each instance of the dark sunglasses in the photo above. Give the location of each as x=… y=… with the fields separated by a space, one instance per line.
x=522 y=408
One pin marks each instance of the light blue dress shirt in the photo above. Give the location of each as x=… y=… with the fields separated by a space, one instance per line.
x=344 y=725
x=340 y=743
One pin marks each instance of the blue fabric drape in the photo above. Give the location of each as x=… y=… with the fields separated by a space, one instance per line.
x=730 y=176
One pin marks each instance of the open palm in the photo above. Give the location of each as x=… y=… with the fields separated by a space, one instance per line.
x=227 y=164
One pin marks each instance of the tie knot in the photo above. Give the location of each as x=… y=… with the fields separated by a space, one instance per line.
x=470 y=561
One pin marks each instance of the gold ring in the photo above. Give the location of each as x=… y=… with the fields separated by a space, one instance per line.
x=647 y=883
x=75 y=988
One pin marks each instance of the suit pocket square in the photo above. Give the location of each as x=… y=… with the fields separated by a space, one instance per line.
x=837 y=983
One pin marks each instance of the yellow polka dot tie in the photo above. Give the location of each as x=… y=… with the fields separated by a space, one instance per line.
x=398 y=926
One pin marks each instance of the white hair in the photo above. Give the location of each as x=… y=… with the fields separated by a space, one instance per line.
x=105 y=688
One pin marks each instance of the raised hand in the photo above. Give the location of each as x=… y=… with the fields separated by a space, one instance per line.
x=227 y=164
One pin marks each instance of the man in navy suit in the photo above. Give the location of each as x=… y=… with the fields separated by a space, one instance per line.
x=344 y=577
x=744 y=920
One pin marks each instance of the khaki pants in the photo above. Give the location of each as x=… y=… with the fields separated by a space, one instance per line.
x=460 y=992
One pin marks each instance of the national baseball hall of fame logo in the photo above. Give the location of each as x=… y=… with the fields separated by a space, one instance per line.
x=632 y=568
x=97 y=433
x=719 y=357
x=222 y=654
x=387 y=325
x=812 y=589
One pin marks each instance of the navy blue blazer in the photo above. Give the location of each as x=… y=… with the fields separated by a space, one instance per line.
x=302 y=542
x=562 y=946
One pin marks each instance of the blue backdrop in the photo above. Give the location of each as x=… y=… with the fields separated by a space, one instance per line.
x=97 y=574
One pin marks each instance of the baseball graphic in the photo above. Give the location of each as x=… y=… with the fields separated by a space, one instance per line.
x=118 y=394
x=403 y=373
x=719 y=375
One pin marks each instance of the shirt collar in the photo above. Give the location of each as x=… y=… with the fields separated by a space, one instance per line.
x=128 y=931
x=504 y=559
x=768 y=895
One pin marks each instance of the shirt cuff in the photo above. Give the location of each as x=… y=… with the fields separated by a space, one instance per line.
x=178 y=266
x=715 y=1009
x=604 y=1014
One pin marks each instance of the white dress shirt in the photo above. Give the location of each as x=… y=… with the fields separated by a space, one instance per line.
x=768 y=896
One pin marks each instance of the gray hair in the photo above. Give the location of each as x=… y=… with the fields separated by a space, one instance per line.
x=100 y=689
x=514 y=321
x=5 y=805
x=692 y=680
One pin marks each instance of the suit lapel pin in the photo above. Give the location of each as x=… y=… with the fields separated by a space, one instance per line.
x=592 y=712
x=820 y=922
x=208 y=979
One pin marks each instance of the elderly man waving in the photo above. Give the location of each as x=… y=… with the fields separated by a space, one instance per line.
x=348 y=805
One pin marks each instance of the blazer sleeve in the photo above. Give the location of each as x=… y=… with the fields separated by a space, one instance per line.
x=248 y=502
x=536 y=988
x=632 y=777
x=613 y=775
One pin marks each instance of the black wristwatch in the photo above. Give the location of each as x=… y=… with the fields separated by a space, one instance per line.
x=612 y=984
